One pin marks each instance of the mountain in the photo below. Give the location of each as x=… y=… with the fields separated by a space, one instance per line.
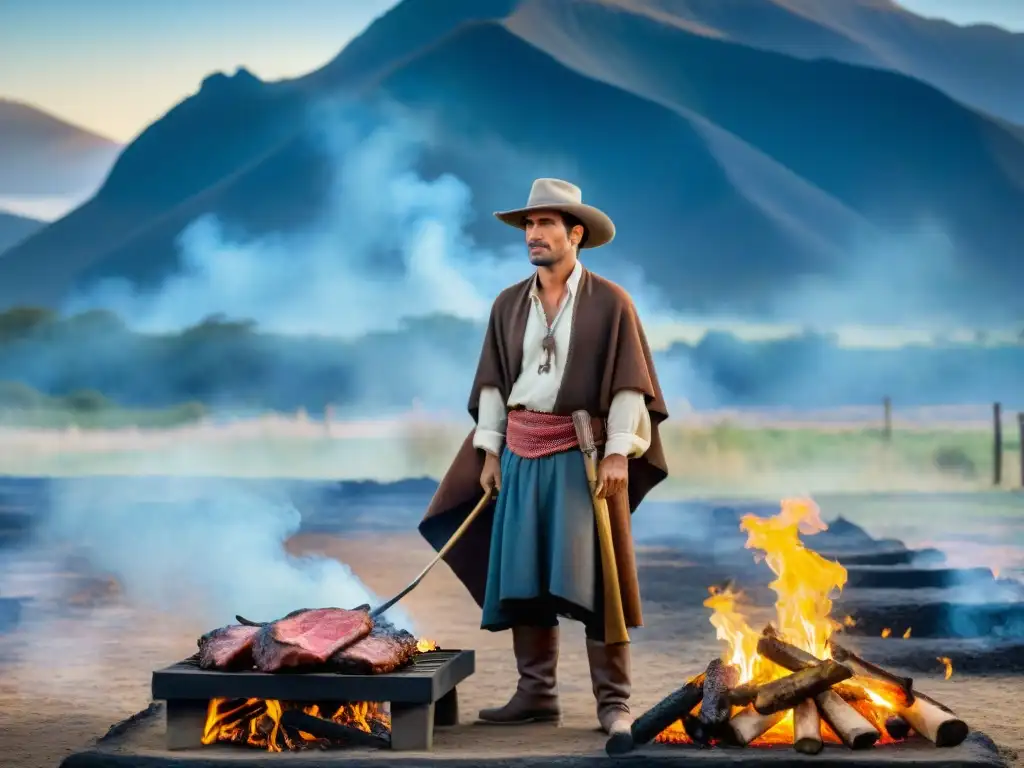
x=980 y=65
x=757 y=160
x=43 y=156
x=14 y=229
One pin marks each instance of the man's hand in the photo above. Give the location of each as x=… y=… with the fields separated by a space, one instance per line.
x=490 y=478
x=612 y=475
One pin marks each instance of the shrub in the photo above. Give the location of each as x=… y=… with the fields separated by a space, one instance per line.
x=954 y=460
x=87 y=401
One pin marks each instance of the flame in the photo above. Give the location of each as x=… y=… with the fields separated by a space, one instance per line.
x=886 y=632
x=948 y=663
x=995 y=572
x=257 y=722
x=906 y=635
x=805 y=585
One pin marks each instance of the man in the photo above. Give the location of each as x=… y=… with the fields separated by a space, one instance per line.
x=561 y=341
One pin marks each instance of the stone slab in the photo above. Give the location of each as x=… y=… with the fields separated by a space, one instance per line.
x=131 y=745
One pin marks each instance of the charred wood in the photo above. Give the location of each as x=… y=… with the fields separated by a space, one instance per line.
x=807 y=728
x=742 y=695
x=673 y=707
x=786 y=692
x=896 y=727
x=715 y=706
x=328 y=729
x=787 y=656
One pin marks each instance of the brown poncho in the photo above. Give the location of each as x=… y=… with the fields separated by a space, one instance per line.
x=608 y=353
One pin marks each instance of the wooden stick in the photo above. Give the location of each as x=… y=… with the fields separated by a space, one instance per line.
x=474 y=513
x=615 y=630
x=807 y=728
x=786 y=692
x=850 y=725
x=935 y=723
x=748 y=725
x=645 y=728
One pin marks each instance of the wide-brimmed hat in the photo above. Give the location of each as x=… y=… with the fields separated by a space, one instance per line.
x=558 y=195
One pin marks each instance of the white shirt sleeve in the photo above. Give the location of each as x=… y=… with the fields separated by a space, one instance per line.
x=629 y=425
x=491 y=421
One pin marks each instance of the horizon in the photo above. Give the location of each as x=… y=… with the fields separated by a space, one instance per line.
x=141 y=73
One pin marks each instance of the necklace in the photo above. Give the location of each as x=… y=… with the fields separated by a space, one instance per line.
x=548 y=345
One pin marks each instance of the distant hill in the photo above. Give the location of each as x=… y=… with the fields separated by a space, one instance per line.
x=747 y=166
x=14 y=229
x=44 y=156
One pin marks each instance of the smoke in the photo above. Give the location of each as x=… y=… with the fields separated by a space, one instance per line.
x=908 y=278
x=388 y=245
x=202 y=551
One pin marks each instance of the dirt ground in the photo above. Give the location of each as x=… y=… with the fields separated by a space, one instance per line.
x=64 y=682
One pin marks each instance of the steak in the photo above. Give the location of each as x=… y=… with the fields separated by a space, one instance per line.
x=308 y=637
x=227 y=648
x=384 y=650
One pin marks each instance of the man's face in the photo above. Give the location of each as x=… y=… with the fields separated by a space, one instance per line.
x=546 y=239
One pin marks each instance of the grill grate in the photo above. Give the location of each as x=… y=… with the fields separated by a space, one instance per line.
x=421 y=694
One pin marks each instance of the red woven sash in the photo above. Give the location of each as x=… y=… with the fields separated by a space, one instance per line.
x=533 y=435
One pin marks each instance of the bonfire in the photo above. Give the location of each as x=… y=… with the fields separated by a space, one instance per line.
x=793 y=682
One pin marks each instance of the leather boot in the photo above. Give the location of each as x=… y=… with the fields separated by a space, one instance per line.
x=536 y=696
x=609 y=673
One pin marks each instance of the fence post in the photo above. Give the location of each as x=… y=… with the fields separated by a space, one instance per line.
x=997 y=444
x=887 y=425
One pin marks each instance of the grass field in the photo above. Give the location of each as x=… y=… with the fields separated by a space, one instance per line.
x=735 y=453
x=103 y=418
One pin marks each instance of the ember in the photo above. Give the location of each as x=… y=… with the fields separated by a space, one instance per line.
x=792 y=683
x=272 y=724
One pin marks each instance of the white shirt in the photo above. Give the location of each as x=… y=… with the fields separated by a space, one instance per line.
x=629 y=423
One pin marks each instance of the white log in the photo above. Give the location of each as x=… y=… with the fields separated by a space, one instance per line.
x=850 y=725
x=940 y=727
x=748 y=725
x=807 y=728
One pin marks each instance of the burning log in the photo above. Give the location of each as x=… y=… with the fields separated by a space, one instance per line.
x=328 y=729
x=864 y=667
x=787 y=656
x=807 y=728
x=786 y=692
x=715 y=706
x=851 y=726
x=896 y=727
x=645 y=728
x=742 y=695
x=749 y=724
x=935 y=722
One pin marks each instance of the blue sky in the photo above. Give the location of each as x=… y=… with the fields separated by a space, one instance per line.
x=116 y=65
